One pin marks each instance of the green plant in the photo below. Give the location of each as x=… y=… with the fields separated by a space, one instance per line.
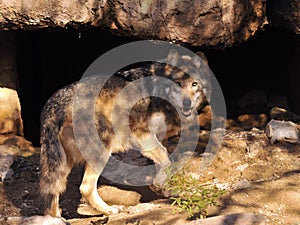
x=191 y=195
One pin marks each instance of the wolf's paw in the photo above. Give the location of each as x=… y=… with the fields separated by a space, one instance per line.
x=160 y=178
x=96 y=207
x=159 y=186
x=114 y=209
x=162 y=191
x=86 y=209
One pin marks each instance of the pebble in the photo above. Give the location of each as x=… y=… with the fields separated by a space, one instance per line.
x=236 y=219
x=243 y=184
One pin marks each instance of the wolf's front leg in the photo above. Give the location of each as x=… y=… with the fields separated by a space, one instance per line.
x=154 y=150
x=88 y=189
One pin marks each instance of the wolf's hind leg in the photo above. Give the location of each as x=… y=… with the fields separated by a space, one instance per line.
x=54 y=209
x=88 y=189
x=54 y=174
x=51 y=189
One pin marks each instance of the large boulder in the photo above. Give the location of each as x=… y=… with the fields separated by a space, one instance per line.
x=199 y=23
x=10 y=112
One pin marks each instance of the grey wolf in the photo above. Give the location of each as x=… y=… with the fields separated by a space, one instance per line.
x=59 y=151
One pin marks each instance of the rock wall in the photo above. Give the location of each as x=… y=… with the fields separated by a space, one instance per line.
x=198 y=23
x=208 y=22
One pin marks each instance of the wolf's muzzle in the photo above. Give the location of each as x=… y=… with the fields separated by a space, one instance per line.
x=186 y=107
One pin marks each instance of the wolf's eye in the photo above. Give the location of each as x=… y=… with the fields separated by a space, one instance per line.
x=178 y=83
x=194 y=84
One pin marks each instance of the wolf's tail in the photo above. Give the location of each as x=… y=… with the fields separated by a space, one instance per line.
x=54 y=168
x=53 y=159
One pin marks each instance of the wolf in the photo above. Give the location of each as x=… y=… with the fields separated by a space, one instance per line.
x=152 y=121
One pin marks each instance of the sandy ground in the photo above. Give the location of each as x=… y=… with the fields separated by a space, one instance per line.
x=259 y=178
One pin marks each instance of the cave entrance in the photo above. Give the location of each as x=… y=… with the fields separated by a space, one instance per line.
x=49 y=60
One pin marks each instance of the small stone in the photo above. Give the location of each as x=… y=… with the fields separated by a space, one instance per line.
x=241 y=168
x=6 y=174
x=243 y=184
x=236 y=219
x=282 y=131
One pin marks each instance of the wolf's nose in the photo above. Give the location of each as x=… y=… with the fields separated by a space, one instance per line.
x=186 y=103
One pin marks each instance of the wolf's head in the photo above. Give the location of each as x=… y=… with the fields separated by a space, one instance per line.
x=186 y=92
x=190 y=84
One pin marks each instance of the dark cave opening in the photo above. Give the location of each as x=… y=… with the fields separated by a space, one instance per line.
x=49 y=60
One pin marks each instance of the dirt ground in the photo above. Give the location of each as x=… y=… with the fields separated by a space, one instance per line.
x=259 y=177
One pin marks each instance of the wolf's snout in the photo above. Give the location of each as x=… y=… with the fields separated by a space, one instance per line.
x=186 y=107
x=186 y=103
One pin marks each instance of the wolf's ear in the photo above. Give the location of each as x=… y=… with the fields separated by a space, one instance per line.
x=173 y=57
x=198 y=62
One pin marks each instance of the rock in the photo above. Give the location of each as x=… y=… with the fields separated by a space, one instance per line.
x=112 y=196
x=22 y=146
x=282 y=131
x=242 y=185
x=194 y=22
x=6 y=175
x=7 y=155
x=43 y=220
x=278 y=113
x=6 y=161
x=236 y=219
x=51 y=14
x=10 y=112
x=207 y=23
x=115 y=196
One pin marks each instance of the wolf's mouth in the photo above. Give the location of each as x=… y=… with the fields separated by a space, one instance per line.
x=186 y=111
